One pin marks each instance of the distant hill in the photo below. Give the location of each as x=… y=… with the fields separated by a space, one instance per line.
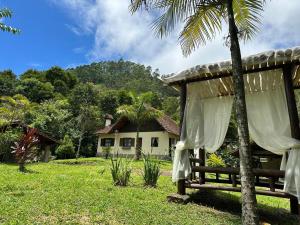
x=123 y=74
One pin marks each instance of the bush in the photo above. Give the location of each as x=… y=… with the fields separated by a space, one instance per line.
x=7 y=140
x=151 y=172
x=215 y=161
x=120 y=171
x=66 y=149
x=106 y=151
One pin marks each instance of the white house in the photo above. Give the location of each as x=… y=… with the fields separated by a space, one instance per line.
x=157 y=137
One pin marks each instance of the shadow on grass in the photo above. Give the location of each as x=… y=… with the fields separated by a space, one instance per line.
x=230 y=203
x=28 y=171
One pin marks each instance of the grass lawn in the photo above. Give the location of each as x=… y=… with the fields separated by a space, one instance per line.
x=62 y=192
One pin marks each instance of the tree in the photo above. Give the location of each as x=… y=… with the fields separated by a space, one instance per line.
x=60 y=79
x=83 y=94
x=31 y=73
x=203 y=20
x=152 y=99
x=66 y=150
x=7 y=13
x=170 y=107
x=13 y=109
x=8 y=83
x=86 y=121
x=36 y=90
x=138 y=113
x=51 y=117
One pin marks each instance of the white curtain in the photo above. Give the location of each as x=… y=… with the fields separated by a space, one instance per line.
x=205 y=124
x=269 y=124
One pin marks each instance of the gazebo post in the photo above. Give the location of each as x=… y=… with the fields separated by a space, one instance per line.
x=294 y=119
x=181 y=183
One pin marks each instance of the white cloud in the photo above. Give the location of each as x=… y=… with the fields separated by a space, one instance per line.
x=118 y=33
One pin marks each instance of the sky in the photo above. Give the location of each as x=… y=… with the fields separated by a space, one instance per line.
x=69 y=33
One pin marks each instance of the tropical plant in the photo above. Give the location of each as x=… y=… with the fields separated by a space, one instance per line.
x=151 y=171
x=120 y=171
x=215 y=161
x=7 y=13
x=138 y=113
x=24 y=150
x=203 y=19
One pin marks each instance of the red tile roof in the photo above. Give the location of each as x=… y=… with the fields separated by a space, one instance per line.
x=165 y=121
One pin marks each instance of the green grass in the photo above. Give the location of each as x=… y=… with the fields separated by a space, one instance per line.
x=63 y=192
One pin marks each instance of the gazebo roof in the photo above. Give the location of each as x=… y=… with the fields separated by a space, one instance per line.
x=268 y=60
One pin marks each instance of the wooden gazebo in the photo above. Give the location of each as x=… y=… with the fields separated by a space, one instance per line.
x=288 y=61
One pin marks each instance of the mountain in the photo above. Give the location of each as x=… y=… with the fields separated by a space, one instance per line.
x=123 y=74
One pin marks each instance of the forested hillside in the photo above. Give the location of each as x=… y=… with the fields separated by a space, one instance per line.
x=69 y=105
x=123 y=74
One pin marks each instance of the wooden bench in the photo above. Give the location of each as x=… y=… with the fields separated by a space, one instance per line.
x=263 y=178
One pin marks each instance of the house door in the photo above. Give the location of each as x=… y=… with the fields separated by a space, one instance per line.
x=140 y=143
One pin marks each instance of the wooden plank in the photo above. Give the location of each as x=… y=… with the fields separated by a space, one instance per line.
x=231 y=170
x=238 y=182
x=237 y=189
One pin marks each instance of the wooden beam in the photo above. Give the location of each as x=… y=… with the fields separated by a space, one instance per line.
x=294 y=119
x=201 y=163
x=280 y=194
x=181 y=183
x=232 y=170
x=291 y=101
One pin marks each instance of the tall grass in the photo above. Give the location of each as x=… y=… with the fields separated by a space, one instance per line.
x=120 y=171
x=151 y=171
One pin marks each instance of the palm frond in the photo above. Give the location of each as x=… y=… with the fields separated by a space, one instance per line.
x=7 y=13
x=175 y=12
x=201 y=27
x=4 y=13
x=247 y=16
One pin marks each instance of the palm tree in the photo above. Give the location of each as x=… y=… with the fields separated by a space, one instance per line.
x=7 y=13
x=138 y=113
x=203 y=19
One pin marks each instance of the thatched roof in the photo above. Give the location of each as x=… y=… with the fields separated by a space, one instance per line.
x=259 y=62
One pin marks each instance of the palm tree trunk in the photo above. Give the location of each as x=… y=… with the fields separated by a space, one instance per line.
x=137 y=145
x=249 y=203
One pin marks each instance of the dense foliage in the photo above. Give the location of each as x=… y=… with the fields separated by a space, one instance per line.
x=71 y=103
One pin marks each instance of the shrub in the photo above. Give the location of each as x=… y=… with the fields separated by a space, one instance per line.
x=7 y=140
x=120 y=171
x=106 y=151
x=66 y=149
x=215 y=161
x=25 y=150
x=151 y=172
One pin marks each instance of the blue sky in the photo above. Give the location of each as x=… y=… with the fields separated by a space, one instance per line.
x=46 y=38
x=74 y=32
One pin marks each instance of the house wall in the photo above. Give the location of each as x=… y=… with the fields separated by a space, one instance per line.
x=161 y=150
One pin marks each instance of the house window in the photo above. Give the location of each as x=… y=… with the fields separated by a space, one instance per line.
x=154 y=142
x=126 y=142
x=107 y=142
